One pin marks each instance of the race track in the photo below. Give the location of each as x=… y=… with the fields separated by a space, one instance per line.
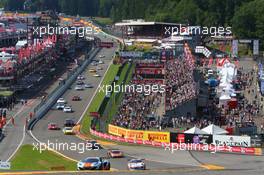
x=158 y=161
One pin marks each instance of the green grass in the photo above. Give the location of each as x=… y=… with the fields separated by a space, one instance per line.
x=97 y=100
x=28 y=159
x=115 y=106
x=103 y=21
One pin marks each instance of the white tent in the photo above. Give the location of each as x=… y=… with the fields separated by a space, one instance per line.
x=21 y=43
x=195 y=130
x=225 y=97
x=214 y=130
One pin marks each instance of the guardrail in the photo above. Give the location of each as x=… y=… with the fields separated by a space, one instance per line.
x=44 y=107
x=181 y=146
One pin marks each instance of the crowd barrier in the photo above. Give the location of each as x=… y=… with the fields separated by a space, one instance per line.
x=167 y=146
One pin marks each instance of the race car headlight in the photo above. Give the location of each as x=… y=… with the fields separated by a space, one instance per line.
x=95 y=164
x=80 y=164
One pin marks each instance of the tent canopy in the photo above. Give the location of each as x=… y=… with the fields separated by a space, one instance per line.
x=195 y=130
x=214 y=130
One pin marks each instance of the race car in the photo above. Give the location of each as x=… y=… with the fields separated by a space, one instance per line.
x=79 y=87
x=115 y=154
x=60 y=106
x=67 y=109
x=92 y=70
x=80 y=77
x=53 y=126
x=79 y=82
x=96 y=75
x=93 y=163
x=76 y=98
x=61 y=100
x=136 y=164
x=99 y=68
x=68 y=130
x=69 y=123
x=88 y=86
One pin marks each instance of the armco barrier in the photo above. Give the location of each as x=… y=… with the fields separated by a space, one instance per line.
x=181 y=146
x=42 y=110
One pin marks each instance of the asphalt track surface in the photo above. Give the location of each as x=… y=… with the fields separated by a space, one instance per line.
x=158 y=161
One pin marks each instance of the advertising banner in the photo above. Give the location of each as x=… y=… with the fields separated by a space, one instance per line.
x=131 y=54
x=118 y=131
x=157 y=136
x=136 y=135
x=180 y=137
x=190 y=138
x=149 y=71
x=229 y=140
x=139 y=134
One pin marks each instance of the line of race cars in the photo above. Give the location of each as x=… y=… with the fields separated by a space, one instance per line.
x=91 y=163
x=98 y=163
x=101 y=163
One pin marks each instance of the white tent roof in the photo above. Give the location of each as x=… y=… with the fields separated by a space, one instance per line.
x=195 y=130
x=225 y=97
x=214 y=130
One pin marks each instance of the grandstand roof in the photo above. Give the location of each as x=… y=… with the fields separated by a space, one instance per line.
x=141 y=23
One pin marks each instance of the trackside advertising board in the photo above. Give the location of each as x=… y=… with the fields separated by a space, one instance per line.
x=229 y=140
x=139 y=134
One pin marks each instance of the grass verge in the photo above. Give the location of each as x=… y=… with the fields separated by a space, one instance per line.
x=98 y=98
x=118 y=97
x=28 y=159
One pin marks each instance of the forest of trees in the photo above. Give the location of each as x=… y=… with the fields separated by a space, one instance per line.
x=244 y=16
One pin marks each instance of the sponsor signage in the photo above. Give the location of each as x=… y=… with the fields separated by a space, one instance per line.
x=5 y=165
x=157 y=136
x=149 y=71
x=139 y=134
x=229 y=140
x=181 y=139
x=131 y=54
x=190 y=138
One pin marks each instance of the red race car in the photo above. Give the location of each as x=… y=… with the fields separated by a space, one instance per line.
x=53 y=126
x=115 y=154
x=76 y=98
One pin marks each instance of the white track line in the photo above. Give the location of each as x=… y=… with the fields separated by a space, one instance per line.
x=21 y=142
x=86 y=108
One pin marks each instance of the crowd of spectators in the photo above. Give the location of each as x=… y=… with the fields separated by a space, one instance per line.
x=135 y=108
x=180 y=84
